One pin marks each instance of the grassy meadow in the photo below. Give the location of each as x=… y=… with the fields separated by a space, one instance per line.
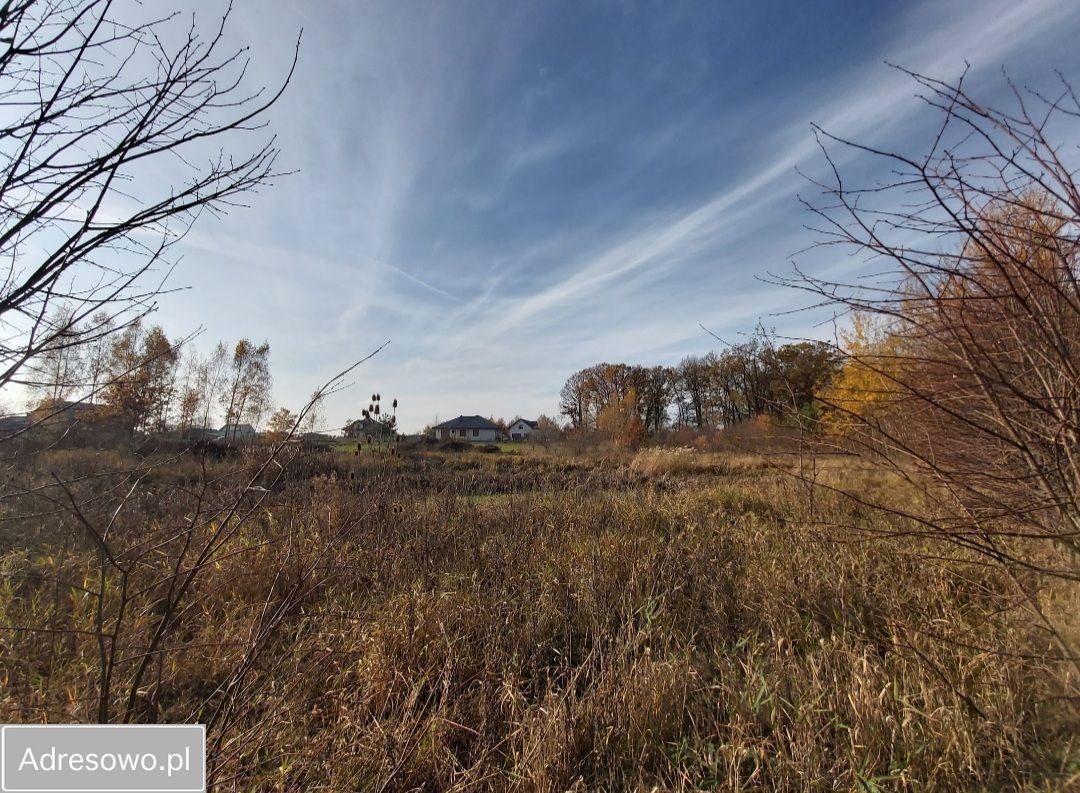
x=666 y=620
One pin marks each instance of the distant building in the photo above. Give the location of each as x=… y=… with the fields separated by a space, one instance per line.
x=521 y=429
x=237 y=433
x=367 y=427
x=62 y=410
x=9 y=425
x=467 y=428
x=200 y=433
x=79 y=423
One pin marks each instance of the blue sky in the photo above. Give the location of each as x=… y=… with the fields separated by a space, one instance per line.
x=512 y=191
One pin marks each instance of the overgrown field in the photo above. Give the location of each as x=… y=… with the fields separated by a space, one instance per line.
x=520 y=622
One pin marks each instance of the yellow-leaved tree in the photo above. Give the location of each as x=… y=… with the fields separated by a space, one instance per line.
x=282 y=422
x=867 y=381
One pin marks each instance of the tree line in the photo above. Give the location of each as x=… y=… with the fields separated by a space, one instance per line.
x=703 y=392
x=148 y=381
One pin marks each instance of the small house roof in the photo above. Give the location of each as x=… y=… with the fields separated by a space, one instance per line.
x=466 y=423
x=237 y=428
x=60 y=405
x=533 y=424
x=16 y=421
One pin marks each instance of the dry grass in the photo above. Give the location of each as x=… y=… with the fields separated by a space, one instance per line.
x=660 y=460
x=593 y=632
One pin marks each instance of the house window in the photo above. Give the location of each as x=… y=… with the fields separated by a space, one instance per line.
x=476 y=433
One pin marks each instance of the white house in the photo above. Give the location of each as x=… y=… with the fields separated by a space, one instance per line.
x=467 y=428
x=521 y=429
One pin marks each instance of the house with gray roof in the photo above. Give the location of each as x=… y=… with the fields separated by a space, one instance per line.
x=520 y=429
x=368 y=427
x=467 y=428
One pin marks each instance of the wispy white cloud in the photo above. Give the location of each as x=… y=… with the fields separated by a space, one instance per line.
x=448 y=198
x=886 y=95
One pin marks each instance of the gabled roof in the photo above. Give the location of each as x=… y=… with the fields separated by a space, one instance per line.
x=466 y=423
x=533 y=424
x=17 y=421
x=60 y=405
x=237 y=428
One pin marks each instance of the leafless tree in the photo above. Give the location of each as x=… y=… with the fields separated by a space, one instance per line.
x=315 y=417
x=96 y=105
x=57 y=369
x=972 y=391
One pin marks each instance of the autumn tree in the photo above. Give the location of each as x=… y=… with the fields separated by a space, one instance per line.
x=186 y=409
x=798 y=373
x=865 y=385
x=973 y=392
x=140 y=375
x=655 y=392
x=730 y=402
x=749 y=379
x=587 y=392
x=201 y=382
x=693 y=380
x=282 y=423
x=211 y=378
x=620 y=420
x=161 y=357
x=124 y=393
x=246 y=396
x=575 y=399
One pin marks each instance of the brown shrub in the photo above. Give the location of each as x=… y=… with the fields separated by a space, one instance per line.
x=660 y=460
